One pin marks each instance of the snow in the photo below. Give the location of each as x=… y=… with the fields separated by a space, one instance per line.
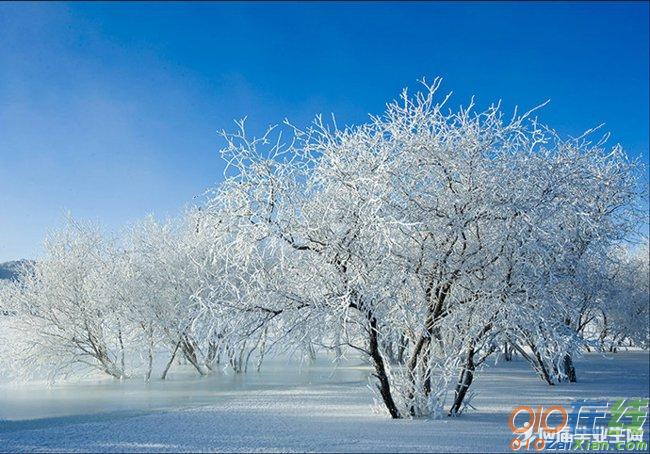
x=286 y=408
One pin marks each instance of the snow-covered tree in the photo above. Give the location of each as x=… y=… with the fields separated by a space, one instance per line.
x=624 y=316
x=68 y=318
x=426 y=233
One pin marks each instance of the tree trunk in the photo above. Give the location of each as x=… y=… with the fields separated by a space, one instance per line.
x=401 y=348
x=421 y=349
x=101 y=355
x=171 y=360
x=122 y=356
x=536 y=362
x=507 y=352
x=189 y=351
x=541 y=368
x=260 y=358
x=464 y=382
x=210 y=359
x=380 y=370
x=569 y=369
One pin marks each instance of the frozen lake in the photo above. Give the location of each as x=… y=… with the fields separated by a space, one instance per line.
x=184 y=388
x=286 y=408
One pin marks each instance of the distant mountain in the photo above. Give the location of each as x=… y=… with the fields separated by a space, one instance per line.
x=11 y=270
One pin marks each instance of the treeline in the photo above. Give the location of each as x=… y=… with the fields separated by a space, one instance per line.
x=426 y=240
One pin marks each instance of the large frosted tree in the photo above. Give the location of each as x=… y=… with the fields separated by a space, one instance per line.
x=429 y=234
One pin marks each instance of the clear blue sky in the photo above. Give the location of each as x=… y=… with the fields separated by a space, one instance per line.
x=111 y=110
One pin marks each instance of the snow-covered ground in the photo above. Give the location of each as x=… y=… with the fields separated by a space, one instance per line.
x=284 y=408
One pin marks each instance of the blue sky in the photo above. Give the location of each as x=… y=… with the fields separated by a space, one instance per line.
x=111 y=111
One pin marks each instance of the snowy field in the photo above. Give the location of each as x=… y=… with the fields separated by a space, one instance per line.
x=285 y=408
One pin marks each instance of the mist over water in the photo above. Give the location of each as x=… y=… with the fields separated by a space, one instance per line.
x=182 y=389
